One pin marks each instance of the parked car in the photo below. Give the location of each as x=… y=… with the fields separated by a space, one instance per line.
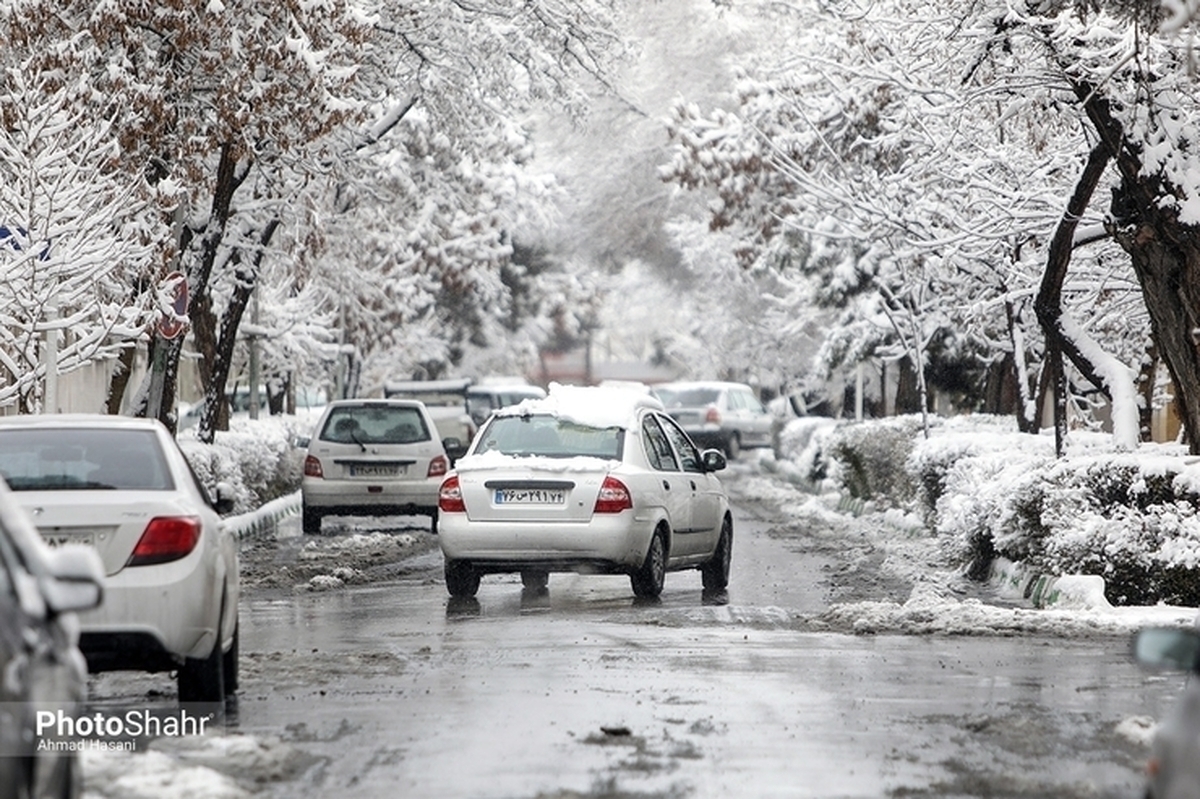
x=171 y=584
x=719 y=414
x=485 y=397
x=1173 y=771
x=373 y=457
x=40 y=592
x=588 y=480
x=446 y=401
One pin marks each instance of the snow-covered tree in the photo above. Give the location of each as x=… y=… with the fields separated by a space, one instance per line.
x=76 y=257
x=924 y=158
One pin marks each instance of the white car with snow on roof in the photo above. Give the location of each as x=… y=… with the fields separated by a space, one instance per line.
x=588 y=480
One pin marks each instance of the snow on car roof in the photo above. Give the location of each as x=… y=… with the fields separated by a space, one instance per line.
x=594 y=406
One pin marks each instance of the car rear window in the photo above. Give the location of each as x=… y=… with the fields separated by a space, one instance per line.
x=72 y=459
x=687 y=397
x=375 y=424
x=550 y=437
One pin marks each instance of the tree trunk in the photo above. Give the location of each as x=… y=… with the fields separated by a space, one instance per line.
x=1165 y=255
x=222 y=361
x=1048 y=304
x=119 y=381
x=230 y=176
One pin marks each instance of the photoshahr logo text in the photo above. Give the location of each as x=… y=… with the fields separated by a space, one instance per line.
x=131 y=724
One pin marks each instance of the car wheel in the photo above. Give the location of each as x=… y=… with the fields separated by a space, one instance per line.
x=229 y=663
x=310 y=520
x=461 y=580
x=203 y=679
x=733 y=446
x=715 y=573
x=648 y=580
x=535 y=580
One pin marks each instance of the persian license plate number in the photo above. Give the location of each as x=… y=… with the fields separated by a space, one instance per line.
x=375 y=470
x=530 y=496
x=60 y=539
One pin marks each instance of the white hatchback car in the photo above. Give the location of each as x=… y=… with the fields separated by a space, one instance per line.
x=587 y=480
x=171 y=583
x=719 y=414
x=373 y=457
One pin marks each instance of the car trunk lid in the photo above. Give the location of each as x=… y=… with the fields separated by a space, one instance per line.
x=111 y=521
x=531 y=493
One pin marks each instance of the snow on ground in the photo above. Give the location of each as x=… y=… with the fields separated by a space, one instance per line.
x=936 y=605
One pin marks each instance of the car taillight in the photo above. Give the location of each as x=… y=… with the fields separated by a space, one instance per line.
x=450 y=499
x=613 y=497
x=312 y=467
x=713 y=416
x=165 y=538
x=438 y=466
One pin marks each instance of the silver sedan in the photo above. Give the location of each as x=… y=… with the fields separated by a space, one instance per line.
x=589 y=480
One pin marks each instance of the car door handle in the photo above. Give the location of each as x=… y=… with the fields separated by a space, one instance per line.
x=693 y=482
x=666 y=485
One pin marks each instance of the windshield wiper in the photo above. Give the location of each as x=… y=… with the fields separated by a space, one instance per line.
x=354 y=438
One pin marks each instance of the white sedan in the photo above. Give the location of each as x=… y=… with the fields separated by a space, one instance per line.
x=123 y=486
x=591 y=480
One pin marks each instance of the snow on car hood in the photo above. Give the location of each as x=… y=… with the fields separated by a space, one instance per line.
x=593 y=406
x=498 y=460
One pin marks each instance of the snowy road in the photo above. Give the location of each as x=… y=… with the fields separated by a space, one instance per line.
x=389 y=689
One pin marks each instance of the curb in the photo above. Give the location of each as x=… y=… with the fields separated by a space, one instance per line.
x=265 y=520
x=1075 y=591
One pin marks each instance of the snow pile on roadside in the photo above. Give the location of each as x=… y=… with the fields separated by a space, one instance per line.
x=198 y=767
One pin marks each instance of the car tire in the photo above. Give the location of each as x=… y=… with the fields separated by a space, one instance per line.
x=733 y=446
x=648 y=580
x=715 y=573
x=535 y=580
x=229 y=664
x=310 y=520
x=462 y=581
x=203 y=679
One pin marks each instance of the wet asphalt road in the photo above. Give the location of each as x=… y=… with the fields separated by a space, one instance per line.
x=392 y=690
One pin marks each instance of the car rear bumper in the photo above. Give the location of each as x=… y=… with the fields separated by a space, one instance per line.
x=152 y=617
x=614 y=544
x=360 y=496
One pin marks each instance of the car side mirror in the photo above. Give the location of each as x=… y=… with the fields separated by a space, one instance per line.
x=1168 y=648
x=454 y=447
x=713 y=459
x=75 y=580
x=301 y=442
x=226 y=499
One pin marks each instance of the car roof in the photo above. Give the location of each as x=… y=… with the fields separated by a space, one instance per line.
x=713 y=384
x=59 y=420
x=594 y=406
x=361 y=401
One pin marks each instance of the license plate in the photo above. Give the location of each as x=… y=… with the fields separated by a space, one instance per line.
x=59 y=539
x=530 y=496
x=376 y=470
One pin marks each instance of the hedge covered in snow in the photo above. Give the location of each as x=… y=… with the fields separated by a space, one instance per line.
x=256 y=458
x=987 y=491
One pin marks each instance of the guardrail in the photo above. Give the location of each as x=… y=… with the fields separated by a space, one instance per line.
x=265 y=520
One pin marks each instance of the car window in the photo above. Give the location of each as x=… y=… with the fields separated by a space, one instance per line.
x=549 y=436
x=688 y=397
x=375 y=424
x=689 y=457
x=72 y=458
x=8 y=562
x=750 y=402
x=658 y=447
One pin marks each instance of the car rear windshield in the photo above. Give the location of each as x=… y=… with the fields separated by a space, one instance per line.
x=687 y=397
x=550 y=437
x=375 y=424
x=72 y=459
